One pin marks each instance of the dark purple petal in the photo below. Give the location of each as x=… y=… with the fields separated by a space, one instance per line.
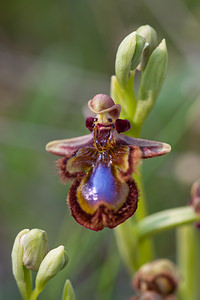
x=122 y=125
x=89 y=123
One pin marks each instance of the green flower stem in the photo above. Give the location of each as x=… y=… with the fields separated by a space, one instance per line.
x=124 y=96
x=131 y=53
x=127 y=243
x=35 y=293
x=142 y=209
x=167 y=219
x=146 y=246
x=188 y=250
x=133 y=253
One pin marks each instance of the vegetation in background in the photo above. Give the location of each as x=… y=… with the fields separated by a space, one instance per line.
x=46 y=76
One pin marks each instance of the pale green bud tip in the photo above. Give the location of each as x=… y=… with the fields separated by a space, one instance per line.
x=150 y=36
x=35 y=247
x=68 y=291
x=52 y=264
x=128 y=56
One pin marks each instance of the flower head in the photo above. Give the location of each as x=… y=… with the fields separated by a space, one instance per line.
x=101 y=164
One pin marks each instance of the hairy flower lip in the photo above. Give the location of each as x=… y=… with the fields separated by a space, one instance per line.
x=102 y=216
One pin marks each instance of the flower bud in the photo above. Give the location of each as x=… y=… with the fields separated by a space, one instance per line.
x=21 y=274
x=35 y=248
x=153 y=75
x=151 y=83
x=160 y=276
x=128 y=56
x=150 y=36
x=68 y=291
x=54 y=262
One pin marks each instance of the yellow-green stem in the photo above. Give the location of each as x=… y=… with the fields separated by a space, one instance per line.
x=188 y=249
x=35 y=293
x=145 y=246
x=124 y=96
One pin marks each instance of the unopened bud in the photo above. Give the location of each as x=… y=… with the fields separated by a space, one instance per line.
x=22 y=276
x=128 y=56
x=154 y=74
x=160 y=276
x=150 y=36
x=151 y=83
x=52 y=264
x=68 y=291
x=35 y=247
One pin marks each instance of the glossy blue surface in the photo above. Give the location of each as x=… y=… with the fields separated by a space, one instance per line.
x=101 y=186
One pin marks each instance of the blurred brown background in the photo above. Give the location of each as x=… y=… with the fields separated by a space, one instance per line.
x=54 y=57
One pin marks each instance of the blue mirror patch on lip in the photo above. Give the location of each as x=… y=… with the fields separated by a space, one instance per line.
x=101 y=186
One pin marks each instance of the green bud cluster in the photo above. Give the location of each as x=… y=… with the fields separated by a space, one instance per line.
x=30 y=253
x=139 y=51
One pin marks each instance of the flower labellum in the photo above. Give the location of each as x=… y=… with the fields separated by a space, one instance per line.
x=101 y=164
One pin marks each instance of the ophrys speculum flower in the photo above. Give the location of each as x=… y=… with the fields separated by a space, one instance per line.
x=101 y=164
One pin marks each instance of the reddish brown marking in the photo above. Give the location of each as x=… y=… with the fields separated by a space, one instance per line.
x=133 y=162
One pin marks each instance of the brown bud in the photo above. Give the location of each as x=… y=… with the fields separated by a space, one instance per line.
x=160 y=276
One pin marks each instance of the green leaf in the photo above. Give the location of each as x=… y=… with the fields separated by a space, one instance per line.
x=165 y=220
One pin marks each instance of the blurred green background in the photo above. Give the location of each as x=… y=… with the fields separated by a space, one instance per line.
x=54 y=57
